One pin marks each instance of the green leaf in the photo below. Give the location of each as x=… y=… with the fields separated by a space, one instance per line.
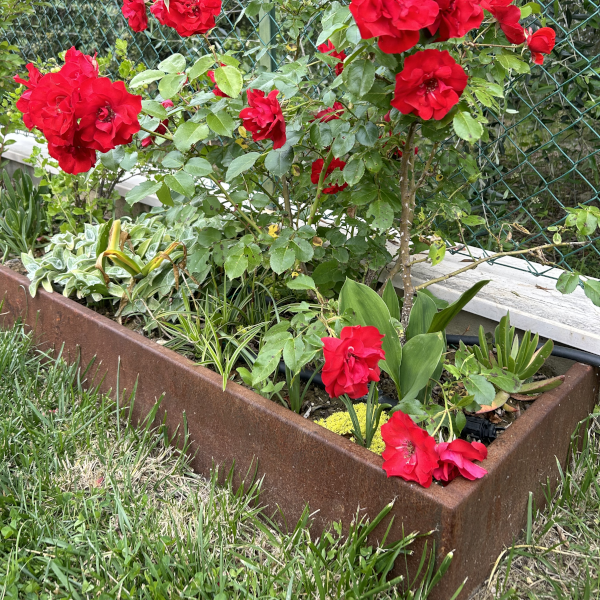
x=229 y=80
x=182 y=183
x=368 y=134
x=199 y=167
x=146 y=77
x=369 y=308
x=302 y=282
x=443 y=318
x=188 y=133
x=567 y=283
x=382 y=213
x=508 y=61
x=236 y=264
x=278 y=162
x=420 y=358
x=354 y=171
x=173 y=160
x=221 y=123
x=592 y=290
x=391 y=300
x=208 y=236
x=164 y=195
x=292 y=354
x=320 y=135
x=200 y=67
x=154 y=109
x=171 y=84
x=359 y=77
x=437 y=251
x=241 y=164
x=174 y=64
x=342 y=144
x=282 y=259
x=466 y=127
x=268 y=358
x=112 y=159
x=481 y=389
x=139 y=192
x=421 y=315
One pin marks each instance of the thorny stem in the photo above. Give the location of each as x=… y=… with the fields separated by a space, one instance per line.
x=286 y=199
x=317 y=200
x=167 y=137
x=475 y=264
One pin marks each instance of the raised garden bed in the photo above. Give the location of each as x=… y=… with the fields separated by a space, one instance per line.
x=304 y=463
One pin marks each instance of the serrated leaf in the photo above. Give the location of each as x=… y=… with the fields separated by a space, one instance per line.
x=466 y=127
x=236 y=265
x=278 y=162
x=229 y=80
x=146 y=77
x=200 y=67
x=320 y=135
x=139 y=192
x=508 y=61
x=354 y=171
x=302 y=282
x=567 y=283
x=282 y=259
x=164 y=195
x=241 y=164
x=199 y=167
x=592 y=291
x=359 y=77
x=182 y=183
x=154 y=109
x=382 y=213
x=293 y=352
x=174 y=64
x=368 y=134
x=342 y=144
x=221 y=123
x=481 y=389
x=170 y=85
x=188 y=133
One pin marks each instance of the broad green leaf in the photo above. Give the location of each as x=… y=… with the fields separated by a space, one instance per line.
x=437 y=251
x=508 y=61
x=293 y=352
x=182 y=183
x=268 y=358
x=278 y=162
x=129 y=161
x=174 y=64
x=146 y=77
x=221 y=123
x=354 y=171
x=320 y=135
x=567 y=283
x=368 y=134
x=390 y=297
x=444 y=317
x=369 y=308
x=164 y=195
x=241 y=164
x=229 y=80
x=173 y=160
x=382 y=213
x=302 y=282
x=481 y=389
x=303 y=250
x=208 y=236
x=236 y=264
x=359 y=77
x=112 y=159
x=139 y=192
x=467 y=128
x=200 y=67
x=171 y=84
x=188 y=133
x=342 y=144
x=420 y=357
x=154 y=109
x=282 y=259
x=199 y=167
x=421 y=315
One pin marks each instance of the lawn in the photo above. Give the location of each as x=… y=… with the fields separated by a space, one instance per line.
x=94 y=507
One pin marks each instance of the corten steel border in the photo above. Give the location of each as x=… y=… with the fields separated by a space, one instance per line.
x=304 y=463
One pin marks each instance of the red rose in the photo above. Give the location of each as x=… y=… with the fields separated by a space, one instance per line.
x=329 y=48
x=352 y=361
x=135 y=12
x=329 y=114
x=30 y=84
x=396 y=22
x=216 y=90
x=508 y=17
x=429 y=85
x=108 y=113
x=79 y=67
x=51 y=107
x=316 y=169
x=264 y=118
x=409 y=450
x=456 y=458
x=541 y=42
x=73 y=159
x=456 y=18
x=187 y=17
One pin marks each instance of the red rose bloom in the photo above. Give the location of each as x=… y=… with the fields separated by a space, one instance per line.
x=79 y=67
x=329 y=48
x=429 y=85
x=329 y=114
x=216 y=90
x=30 y=84
x=352 y=361
x=264 y=118
x=396 y=22
x=508 y=17
x=135 y=12
x=73 y=159
x=409 y=450
x=316 y=169
x=541 y=42
x=456 y=458
x=51 y=108
x=108 y=113
x=456 y=18
x=187 y=17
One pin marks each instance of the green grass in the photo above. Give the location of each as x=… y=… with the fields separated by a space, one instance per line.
x=559 y=555
x=92 y=507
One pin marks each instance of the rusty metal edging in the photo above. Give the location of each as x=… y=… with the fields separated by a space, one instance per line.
x=304 y=463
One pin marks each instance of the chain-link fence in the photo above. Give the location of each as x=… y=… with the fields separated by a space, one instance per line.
x=543 y=149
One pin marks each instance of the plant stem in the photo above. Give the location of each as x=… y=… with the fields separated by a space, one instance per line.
x=286 y=199
x=242 y=214
x=475 y=264
x=316 y=202
x=166 y=137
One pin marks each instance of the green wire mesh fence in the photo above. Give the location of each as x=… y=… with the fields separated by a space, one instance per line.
x=543 y=151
